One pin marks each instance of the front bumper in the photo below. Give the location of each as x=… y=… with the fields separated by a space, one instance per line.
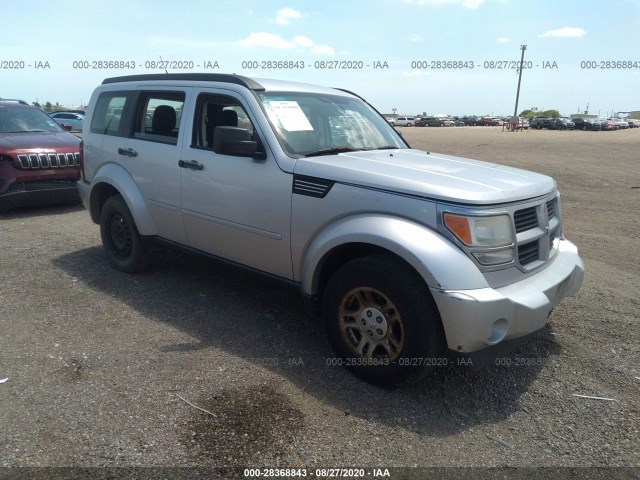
x=485 y=318
x=48 y=192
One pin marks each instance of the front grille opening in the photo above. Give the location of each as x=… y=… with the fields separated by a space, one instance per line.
x=551 y=209
x=525 y=219
x=528 y=252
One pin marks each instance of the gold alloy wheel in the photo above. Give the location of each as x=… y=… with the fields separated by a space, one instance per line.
x=370 y=324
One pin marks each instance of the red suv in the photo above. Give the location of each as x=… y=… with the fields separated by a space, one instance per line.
x=39 y=160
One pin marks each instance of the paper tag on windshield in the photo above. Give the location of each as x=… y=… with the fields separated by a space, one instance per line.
x=290 y=115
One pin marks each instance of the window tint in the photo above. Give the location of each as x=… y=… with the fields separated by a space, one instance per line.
x=108 y=113
x=158 y=116
x=218 y=111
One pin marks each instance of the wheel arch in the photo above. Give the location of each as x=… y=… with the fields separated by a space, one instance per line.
x=111 y=180
x=438 y=262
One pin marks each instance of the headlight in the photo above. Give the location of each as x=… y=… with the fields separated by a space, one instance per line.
x=494 y=231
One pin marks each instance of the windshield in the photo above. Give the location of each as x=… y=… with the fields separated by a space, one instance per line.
x=309 y=124
x=16 y=120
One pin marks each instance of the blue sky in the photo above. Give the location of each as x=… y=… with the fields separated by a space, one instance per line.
x=397 y=32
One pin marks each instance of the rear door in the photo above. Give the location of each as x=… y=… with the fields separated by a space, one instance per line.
x=147 y=146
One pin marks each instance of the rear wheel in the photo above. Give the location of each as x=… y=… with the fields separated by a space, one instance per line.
x=382 y=322
x=125 y=247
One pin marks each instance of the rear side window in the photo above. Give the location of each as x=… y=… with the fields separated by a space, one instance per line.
x=158 y=116
x=109 y=113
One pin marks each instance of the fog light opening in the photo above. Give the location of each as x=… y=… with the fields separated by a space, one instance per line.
x=497 y=331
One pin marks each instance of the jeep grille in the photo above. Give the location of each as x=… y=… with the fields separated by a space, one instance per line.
x=34 y=161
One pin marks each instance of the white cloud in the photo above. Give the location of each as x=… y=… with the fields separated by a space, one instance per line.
x=415 y=38
x=417 y=73
x=263 y=39
x=323 y=50
x=285 y=15
x=464 y=3
x=272 y=40
x=504 y=40
x=303 y=41
x=564 y=32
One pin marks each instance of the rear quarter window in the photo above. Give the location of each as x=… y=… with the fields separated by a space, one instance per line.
x=109 y=113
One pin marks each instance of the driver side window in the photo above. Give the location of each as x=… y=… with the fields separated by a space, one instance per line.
x=218 y=111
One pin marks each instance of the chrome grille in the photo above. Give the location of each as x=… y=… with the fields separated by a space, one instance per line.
x=47 y=160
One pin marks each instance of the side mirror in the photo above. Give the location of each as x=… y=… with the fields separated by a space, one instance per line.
x=236 y=141
x=67 y=127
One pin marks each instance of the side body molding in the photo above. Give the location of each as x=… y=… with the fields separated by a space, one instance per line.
x=440 y=263
x=121 y=180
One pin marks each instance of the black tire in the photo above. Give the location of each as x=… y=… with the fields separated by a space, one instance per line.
x=382 y=322
x=409 y=124
x=125 y=247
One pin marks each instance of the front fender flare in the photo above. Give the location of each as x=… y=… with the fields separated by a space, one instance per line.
x=440 y=263
x=116 y=176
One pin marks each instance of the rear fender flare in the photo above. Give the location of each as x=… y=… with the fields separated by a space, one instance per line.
x=116 y=176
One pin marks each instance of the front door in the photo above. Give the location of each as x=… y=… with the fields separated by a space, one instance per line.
x=237 y=208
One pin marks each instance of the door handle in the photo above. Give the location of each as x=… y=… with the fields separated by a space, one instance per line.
x=192 y=164
x=127 y=152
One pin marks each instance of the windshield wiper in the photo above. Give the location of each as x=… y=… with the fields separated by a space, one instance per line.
x=331 y=151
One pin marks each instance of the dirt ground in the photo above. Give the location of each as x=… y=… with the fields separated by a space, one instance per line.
x=101 y=364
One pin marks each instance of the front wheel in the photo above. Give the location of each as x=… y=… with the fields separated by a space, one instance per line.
x=382 y=321
x=125 y=247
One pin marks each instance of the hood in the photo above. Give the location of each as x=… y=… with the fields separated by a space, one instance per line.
x=40 y=142
x=429 y=175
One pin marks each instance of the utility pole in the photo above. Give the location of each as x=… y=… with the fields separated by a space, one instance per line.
x=515 y=110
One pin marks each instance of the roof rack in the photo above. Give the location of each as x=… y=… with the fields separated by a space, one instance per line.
x=194 y=77
x=13 y=100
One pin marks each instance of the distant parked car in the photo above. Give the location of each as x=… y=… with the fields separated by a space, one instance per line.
x=540 y=121
x=620 y=123
x=633 y=123
x=608 y=125
x=430 y=122
x=459 y=123
x=491 y=121
x=586 y=124
x=447 y=122
x=561 y=123
x=473 y=121
x=404 y=122
x=69 y=118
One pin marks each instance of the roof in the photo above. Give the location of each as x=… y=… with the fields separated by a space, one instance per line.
x=193 y=77
x=255 y=84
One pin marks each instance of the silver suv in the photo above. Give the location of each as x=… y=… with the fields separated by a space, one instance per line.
x=412 y=258
x=404 y=122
